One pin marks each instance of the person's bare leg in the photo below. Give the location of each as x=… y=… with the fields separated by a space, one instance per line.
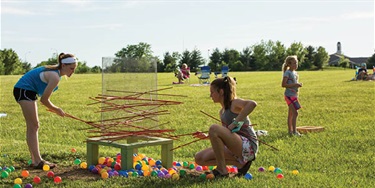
x=220 y=136
x=290 y=119
x=294 y=118
x=30 y=113
x=207 y=158
x=179 y=76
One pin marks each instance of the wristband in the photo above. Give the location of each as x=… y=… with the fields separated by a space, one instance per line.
x=237 y=124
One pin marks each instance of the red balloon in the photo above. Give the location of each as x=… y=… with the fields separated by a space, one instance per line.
x=37 y=179
x=280 y=176
x=50 y=174
x=57 y=179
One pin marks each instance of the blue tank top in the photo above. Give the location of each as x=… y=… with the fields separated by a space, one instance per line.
x=246 y=131
x=31 y=81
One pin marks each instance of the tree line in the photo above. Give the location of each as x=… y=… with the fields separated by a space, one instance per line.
x=263 y=56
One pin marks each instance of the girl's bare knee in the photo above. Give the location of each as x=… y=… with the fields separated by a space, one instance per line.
x=198 y=158
x=213 y=129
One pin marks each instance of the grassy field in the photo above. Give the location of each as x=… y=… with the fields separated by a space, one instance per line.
x=341 y=156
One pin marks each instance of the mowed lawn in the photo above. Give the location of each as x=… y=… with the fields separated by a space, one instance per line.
x=341 y=156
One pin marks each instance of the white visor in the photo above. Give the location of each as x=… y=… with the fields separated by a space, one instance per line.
x=69 y=60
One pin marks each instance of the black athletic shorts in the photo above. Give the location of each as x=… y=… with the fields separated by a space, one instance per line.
x=23 y=94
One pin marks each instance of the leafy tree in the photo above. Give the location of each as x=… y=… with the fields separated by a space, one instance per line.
x=321 y=58
x=371 y=61
x=133 y=58
x=10 y=63
x=230 y=57
x=50 y=61
x=135 y=51
x=186 y=58
x=297 y=49
x=96 y=69
x=26 y=67
x=276 y=56
x=170 y=61
x=215 y=60
x=82 y=68
x=246 y=58
x=260 y=56
x=237 y=66
x=343 y=61
x=196 y=59
x=309 y=58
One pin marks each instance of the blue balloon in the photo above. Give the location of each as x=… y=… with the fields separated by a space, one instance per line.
x=248 y=176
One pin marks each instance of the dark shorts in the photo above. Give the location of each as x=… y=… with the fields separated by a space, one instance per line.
x=22 y=94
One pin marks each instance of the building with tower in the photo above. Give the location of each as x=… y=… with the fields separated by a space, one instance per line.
x=354 y=61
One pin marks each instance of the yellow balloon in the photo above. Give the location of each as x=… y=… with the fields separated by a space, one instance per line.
x=175 y=176
x=145 y=167
x=102 y=171
x=110 y=160
x=146 y=173
x=18 y=181
x=271 y=168
x=83 y=165
x=171 y=172
x=141 y=155
x=152 y=162
x=45 y=167
x=104 y=175
x=137 y=158
x=101 y=160
x=295 y=172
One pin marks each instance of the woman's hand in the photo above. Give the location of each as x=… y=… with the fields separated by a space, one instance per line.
x=60 y=112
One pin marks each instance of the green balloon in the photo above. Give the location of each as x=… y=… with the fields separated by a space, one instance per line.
x=278 y=171
x=202 y=176
x=17 y=186
x=192 y=166
x=182 y=172
x=4 y=174
x=77 y=161
x=135 y=174
x=154 y=173
x=12 y=169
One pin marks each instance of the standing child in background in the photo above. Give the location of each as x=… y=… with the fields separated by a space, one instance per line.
x=290 y=82
x=41 y=81
x=234 y=142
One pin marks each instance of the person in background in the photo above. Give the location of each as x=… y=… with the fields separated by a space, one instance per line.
x=182 y=74
x=362 y=72
x=42 y=82
x=234 y=142
x=291 y=85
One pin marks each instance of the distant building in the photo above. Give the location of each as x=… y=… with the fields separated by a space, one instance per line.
x=354 y=61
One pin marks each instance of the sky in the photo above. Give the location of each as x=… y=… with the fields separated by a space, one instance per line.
x=36 y=30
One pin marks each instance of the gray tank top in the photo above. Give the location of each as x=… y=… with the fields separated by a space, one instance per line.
x=245 y=131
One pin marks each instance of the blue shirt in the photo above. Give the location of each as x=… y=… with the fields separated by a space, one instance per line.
x=31 y=81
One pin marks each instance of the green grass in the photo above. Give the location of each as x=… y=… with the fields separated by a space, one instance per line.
x=341 y=156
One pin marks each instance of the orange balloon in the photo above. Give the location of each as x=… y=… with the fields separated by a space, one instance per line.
x=25 y=173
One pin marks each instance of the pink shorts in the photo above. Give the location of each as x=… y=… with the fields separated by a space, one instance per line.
x=294 y=101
